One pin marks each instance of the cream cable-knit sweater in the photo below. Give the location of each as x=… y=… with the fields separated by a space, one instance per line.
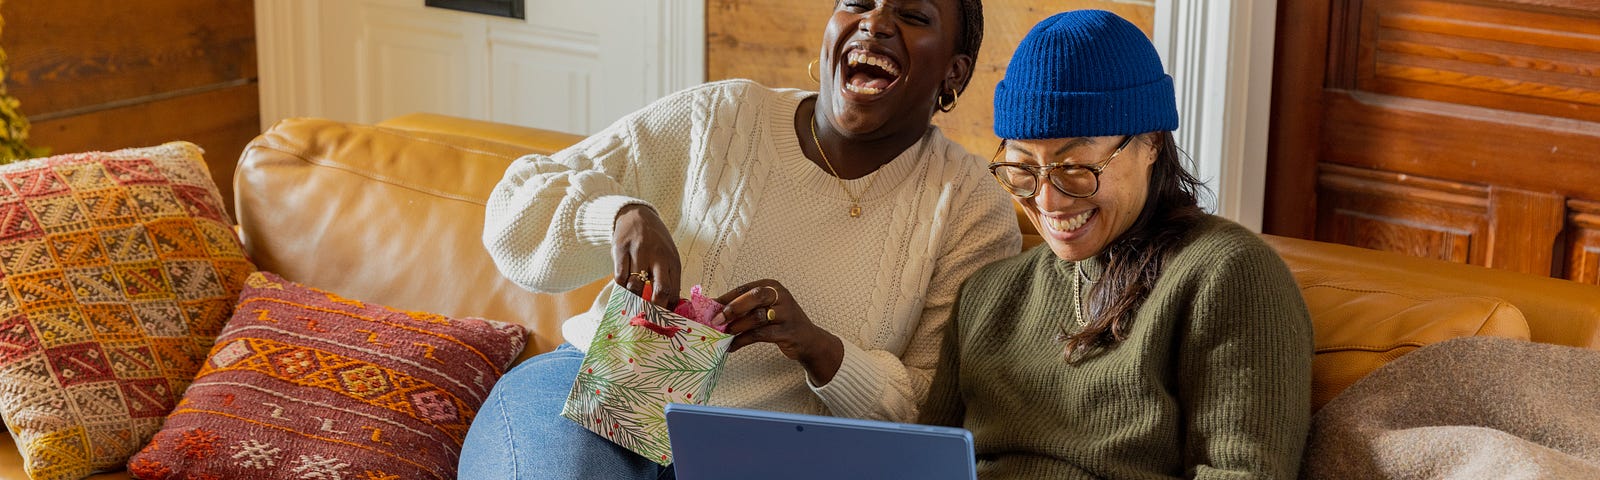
x=722 y=166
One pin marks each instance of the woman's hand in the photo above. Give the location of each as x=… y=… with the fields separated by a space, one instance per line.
x=645 y=254
x=764 y=311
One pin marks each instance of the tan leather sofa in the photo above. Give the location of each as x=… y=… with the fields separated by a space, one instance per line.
x=392 y=214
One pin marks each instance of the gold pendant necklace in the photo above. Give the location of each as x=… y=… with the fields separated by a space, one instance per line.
x=855 y=200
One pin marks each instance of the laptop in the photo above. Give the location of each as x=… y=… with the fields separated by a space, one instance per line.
x=721 y=443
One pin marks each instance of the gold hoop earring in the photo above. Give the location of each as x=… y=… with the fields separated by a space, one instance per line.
x=809 y=73
x=955 y=96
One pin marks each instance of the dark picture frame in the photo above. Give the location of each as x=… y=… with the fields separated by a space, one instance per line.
x=499 y=8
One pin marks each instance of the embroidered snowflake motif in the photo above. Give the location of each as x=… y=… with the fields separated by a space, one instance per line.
x=317 y=467
x=256 y=455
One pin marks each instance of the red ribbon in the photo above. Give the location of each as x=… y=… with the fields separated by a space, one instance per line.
x=665 y=331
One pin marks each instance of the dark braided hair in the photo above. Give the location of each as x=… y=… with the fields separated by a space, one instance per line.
x=971 y=32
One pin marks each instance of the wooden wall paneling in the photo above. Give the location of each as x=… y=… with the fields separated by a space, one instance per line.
x=1399 y=213
x=1523 y=230
x=1506 y=58
x=1299 y=66
x=772 y=41
x=1582 y=262
x=1453 y=129
x=72 y=54
x=1463 y=143
x=97 y=75
x=1343 y=41
x=231 y=122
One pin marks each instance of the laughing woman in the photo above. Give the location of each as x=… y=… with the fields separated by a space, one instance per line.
x=840 y=223
x=1145 y=339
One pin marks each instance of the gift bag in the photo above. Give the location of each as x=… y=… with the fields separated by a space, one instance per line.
x=642 y=358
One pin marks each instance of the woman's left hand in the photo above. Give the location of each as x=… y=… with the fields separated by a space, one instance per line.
x=764 y=311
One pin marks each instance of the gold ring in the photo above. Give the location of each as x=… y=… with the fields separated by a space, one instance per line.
x=644 y=275
x=771 y=317
x=774 y=294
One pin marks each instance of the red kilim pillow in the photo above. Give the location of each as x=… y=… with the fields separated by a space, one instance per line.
x=118 y=270
x=303 y=383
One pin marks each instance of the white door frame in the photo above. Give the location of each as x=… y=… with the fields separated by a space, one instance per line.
x=288 y=39
x=1220 y=57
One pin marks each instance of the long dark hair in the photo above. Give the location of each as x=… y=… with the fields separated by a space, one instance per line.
x=1135 y=260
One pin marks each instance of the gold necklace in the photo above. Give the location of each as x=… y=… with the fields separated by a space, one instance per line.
x=855 y=200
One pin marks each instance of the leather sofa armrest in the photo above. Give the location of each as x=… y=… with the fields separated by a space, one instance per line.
x=1557 y=311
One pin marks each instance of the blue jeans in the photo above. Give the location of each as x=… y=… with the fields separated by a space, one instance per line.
x=520 y=433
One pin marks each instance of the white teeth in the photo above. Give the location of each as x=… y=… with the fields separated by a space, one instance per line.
x=1069 y=224
x=863 y=90
x=857 y=57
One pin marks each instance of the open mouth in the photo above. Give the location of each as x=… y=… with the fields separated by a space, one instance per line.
x=1069 y=224
x=868 y=73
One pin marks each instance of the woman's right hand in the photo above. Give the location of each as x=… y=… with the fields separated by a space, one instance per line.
x=644 y=252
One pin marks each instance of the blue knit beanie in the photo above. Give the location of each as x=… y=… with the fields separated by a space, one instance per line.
x=1084 y=73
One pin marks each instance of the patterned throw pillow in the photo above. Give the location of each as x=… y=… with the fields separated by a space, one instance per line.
x=305 y=384
x=119 y=269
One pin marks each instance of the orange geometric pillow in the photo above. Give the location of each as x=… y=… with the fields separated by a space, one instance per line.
x=118 y=268
x=304 y=383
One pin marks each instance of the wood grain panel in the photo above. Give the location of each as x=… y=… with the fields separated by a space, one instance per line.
x=69 y=55
x=772 y=41
x=1523 y=227
x=1457 y=129
x=1399 y=213
x=229 y=121
x=1583 y=242
x=1297 y=77
x=1504 y=57
x=97 y=75
x=1463 y=143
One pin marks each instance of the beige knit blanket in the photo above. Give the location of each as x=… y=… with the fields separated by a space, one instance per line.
x=1476 y=407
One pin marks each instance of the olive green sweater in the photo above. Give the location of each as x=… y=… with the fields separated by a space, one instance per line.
x=1212 y=381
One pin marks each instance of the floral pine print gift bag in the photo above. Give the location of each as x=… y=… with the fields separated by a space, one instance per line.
x=642 y=358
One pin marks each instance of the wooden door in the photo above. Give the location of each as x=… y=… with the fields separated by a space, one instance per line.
x=1463 y=130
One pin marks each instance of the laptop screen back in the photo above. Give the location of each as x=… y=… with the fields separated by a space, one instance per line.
x=719 y=443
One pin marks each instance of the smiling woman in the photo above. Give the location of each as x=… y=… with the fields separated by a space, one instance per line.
x=722 y=185
x=1182 y=347
x=772 y=41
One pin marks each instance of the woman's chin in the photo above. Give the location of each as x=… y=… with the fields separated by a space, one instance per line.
x=1074 y=245
x=1071 y=253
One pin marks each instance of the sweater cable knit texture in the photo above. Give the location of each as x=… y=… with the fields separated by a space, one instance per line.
x=721 y=164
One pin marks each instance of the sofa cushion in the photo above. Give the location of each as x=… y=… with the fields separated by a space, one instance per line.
x=1361 y=323
x=118 y=268
x=304 y=383
x=391 y=216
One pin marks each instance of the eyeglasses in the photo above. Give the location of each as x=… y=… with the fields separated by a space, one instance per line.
x=1080 y=181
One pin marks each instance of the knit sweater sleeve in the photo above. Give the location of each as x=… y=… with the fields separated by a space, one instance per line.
x=878 y=384
x=1244 y=368
x=943 y=405
x=548 y=222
